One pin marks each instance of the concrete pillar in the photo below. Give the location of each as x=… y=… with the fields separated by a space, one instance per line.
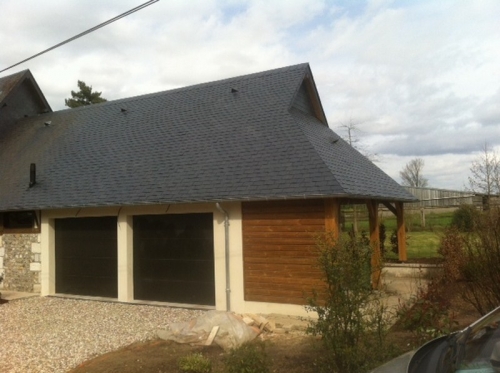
x=125 y=258
x=48 y=257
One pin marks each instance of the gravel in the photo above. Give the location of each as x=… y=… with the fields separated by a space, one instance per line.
x=54 y=335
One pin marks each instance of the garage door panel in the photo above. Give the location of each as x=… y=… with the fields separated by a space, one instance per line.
x=174 y=258
x=86 y=256
x=180 y=270
x=89 y=267
x=178 y=291
x=93 y=286
x=191 y=249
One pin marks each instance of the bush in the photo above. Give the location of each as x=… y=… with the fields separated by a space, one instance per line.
x=351 y=317
x=474 y=256
x=481 y=269
x=464 y=217
x=451 y=248
x=382 y=236
x=427 y=314
x=251 y=357
x=394 y=242
x=195 y=363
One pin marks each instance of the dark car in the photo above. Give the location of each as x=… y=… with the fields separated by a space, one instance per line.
x=475 y=349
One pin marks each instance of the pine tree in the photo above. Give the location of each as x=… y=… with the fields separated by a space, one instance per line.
x=84 y=97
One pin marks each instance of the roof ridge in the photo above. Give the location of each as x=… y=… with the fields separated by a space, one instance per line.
x=17 y=73
x=194 y=86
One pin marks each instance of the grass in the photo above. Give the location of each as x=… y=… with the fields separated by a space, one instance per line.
x=421 y=245
x=423 y=241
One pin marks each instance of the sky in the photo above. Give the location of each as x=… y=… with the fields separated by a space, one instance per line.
x=415 y=78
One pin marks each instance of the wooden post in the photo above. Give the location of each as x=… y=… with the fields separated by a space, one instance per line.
x=332 y=216
x=401 y=232
x=376 y=261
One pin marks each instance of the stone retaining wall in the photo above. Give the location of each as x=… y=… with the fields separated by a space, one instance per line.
x=20 y=258
x=410 y=270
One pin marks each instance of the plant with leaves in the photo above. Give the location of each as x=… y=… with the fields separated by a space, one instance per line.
x=250 y=357
x=411 y=175
x=195 y=363
x=351 y=318
x=83 y=97
x=464 y=217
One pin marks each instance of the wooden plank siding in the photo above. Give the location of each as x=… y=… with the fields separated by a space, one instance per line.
x=279 y=250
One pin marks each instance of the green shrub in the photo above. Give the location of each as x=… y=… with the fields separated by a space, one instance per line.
x=351 y=317
x=195 y=363
x=382 y=236
x=464 y=218
x=251 y=357
x=394 y=242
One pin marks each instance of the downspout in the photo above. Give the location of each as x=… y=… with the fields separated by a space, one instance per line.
x=226 y=231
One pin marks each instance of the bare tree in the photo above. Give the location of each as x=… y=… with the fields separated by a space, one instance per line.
x=485 y=173
x=352 y=131
x=411 y=174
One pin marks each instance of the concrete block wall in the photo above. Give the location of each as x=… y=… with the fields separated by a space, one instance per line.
x=20 y=262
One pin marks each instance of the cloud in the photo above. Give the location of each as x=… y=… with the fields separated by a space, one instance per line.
x=420 y=78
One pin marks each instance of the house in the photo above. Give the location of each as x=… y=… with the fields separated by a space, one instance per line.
x=206 y=196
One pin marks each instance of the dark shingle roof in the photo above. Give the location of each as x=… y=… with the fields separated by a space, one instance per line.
x=200 y=143
x=7 y=83
x=10 y=82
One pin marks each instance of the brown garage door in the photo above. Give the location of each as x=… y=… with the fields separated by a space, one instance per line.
x=86 y=256
x=174 y=258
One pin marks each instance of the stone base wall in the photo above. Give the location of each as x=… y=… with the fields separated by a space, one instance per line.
x=20 y=258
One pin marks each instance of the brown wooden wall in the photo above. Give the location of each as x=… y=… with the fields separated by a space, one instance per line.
x=279 y=249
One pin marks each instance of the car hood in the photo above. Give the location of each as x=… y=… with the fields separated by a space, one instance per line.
x=397 y=365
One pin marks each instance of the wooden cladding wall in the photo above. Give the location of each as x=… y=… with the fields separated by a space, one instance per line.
x=279 y=250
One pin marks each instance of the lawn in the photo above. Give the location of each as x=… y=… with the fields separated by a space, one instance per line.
x=422 y=241
x=420 y=245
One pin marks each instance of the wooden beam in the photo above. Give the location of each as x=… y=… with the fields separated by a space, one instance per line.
x=332 y=216
x=401 y=232
x=390 y=207
x=376 y=260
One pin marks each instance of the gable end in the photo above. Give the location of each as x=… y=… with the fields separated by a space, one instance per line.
x=307 y=100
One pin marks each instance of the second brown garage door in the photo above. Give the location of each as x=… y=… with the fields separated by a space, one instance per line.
x=174 y=258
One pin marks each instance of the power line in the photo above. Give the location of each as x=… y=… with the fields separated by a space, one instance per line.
x=133 y=10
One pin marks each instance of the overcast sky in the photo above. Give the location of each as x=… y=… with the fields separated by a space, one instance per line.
x=418 y=78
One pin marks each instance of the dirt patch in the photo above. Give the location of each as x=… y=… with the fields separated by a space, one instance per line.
x=292 y=354
x=289 y=352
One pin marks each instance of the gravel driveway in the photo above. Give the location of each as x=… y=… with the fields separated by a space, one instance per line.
x=54 y=335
